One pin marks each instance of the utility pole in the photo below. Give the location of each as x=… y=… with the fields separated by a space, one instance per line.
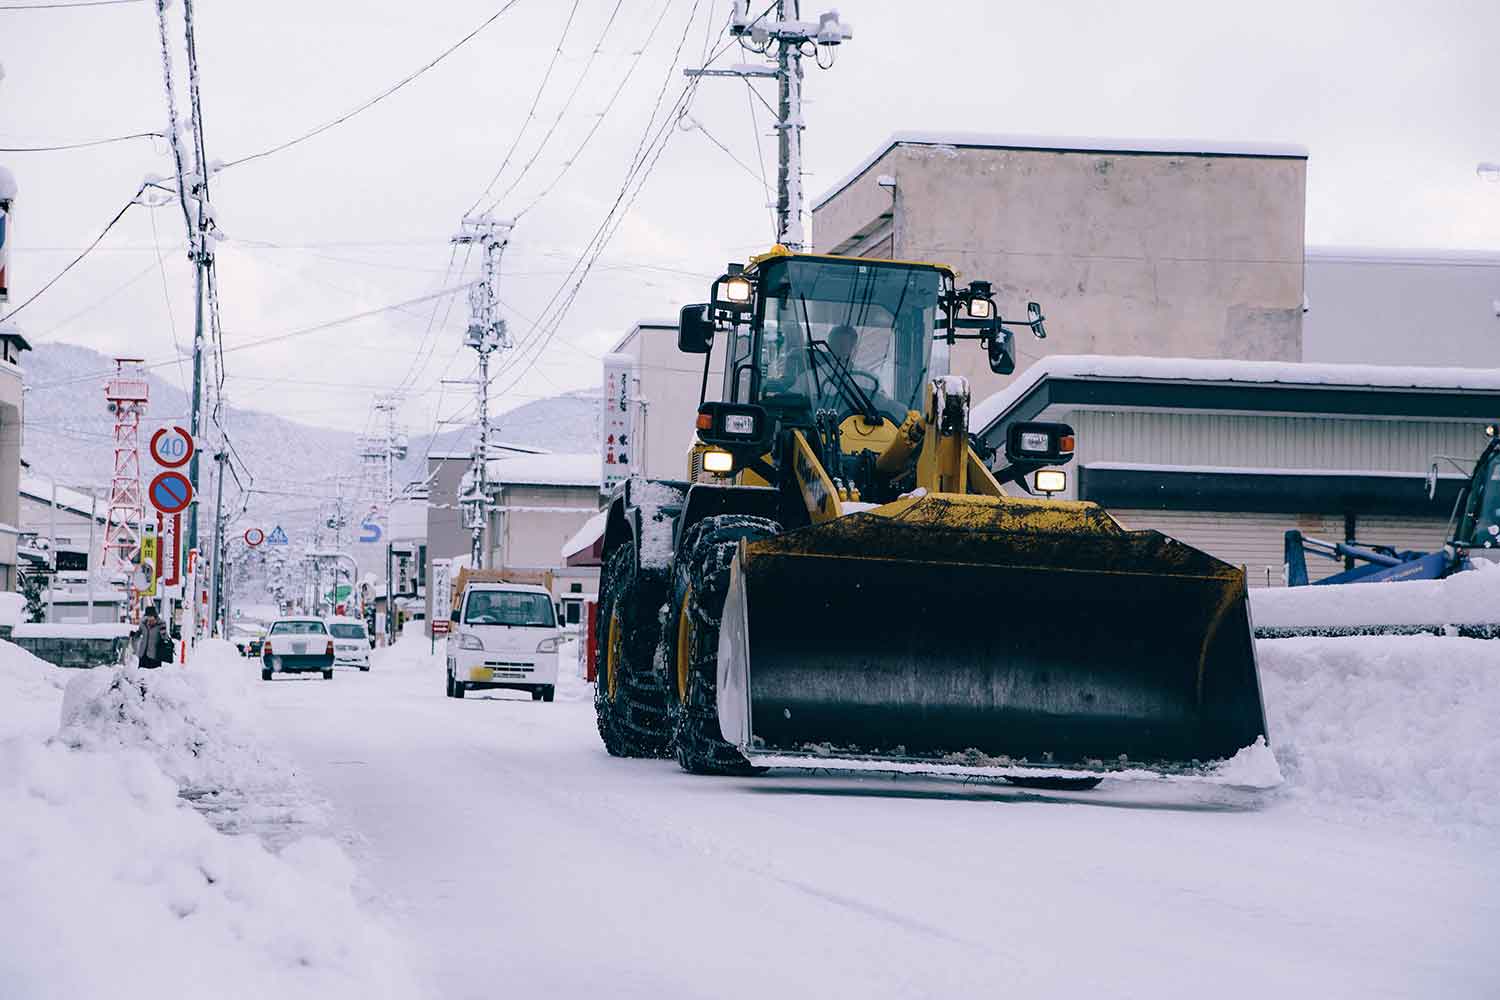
x=486 y=334
x=379 y=454
x=216 y=569
x=789 y=34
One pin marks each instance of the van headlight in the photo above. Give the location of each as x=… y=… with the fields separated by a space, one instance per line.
x=549 y=645
x=467 y=641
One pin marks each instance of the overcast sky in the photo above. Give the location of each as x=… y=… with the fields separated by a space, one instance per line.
x=1396 y=102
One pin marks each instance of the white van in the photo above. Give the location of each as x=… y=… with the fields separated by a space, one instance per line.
x=351 y=643
x=504 y=635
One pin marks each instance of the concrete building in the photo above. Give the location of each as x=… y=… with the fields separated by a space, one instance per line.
x=1227 y=455
x=667 y=389
x=67 y=522
x=1402 y=307
x=540 y=502
x=12 y=344
x=446 y=535
x=1165 y=249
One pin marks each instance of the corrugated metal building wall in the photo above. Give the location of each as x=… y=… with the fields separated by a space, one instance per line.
x=1247 y=443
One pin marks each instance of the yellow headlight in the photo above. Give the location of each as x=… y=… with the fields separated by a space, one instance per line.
x=737 y=290
x=718 y=461
x=1051 y=481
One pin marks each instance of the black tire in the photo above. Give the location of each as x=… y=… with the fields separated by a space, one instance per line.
x=708 y=549
x=328 y=674
x=459 y=689
x=1055 y=784
x=365 y=669
x=448 y=684
x=548 y=693
x=536 y=694
x=265 y=673
x=630 y=706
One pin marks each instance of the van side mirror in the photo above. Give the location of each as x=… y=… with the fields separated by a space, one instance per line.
x=453 y=617
x=1432 y=476
x=695 y=329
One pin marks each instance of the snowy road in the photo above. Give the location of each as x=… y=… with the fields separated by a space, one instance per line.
x=515 y=858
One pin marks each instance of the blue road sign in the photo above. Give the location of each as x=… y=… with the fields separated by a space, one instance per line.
x=276 y=537
x=170 y=492
x=370 y=530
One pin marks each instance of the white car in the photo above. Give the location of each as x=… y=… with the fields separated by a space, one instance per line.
x=297 y=645
x=351 y=642
x=505 y=635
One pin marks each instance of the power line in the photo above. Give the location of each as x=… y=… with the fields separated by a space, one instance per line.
x=86 y=143
x=639 y=171
x=74 y=262
x=66 y=4
x=536 y=99
x=276 y=338
x=378 y=97
x=562 y=112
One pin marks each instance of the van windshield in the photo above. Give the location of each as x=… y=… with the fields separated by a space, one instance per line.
x=500 y=607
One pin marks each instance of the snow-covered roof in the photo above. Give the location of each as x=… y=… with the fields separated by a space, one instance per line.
x=1183 y=370
x=642 y=324
x=546 y=470
x=585 y=537
x=1405 y=255
x=39 y=488
x=1067 y=144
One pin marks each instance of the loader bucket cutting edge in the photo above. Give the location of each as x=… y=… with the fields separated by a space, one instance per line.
x=1042 y=640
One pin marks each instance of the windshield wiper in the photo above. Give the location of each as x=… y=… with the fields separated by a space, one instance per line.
x=848 y=388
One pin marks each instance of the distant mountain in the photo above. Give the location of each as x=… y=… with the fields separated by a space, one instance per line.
x=67 y=435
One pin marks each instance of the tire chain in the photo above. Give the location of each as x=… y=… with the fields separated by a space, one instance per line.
x=708 y=548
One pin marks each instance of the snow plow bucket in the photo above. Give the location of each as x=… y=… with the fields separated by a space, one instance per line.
x=963 y=629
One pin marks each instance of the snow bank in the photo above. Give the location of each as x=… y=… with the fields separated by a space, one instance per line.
x=113 y=884
x=1471 y=597
x=1388 y=725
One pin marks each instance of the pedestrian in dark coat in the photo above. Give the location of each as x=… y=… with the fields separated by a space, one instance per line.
x=150 y=642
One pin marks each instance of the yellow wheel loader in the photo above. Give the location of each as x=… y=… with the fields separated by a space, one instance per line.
x=843 y=581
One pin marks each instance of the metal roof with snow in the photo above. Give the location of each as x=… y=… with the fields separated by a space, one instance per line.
x=1290 y=387
x=1068 y=144
x=546 y=470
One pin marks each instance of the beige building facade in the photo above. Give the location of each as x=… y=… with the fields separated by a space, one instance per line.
x=666 y=394
x=1164 y=249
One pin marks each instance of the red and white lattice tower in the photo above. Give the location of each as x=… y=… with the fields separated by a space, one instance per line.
x=127 y=393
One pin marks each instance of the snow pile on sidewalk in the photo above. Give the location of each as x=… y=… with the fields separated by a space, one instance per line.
x=112 y=884
x=1471 y=597
x=412 y=652
x=1391 y=725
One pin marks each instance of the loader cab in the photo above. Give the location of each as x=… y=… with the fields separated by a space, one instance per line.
x=844 y=334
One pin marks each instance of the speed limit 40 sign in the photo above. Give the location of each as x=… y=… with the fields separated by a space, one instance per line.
x=172 y=447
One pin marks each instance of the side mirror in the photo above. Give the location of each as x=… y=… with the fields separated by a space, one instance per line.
x=695 y=329
x=1002 y=353
x=1432 y=474
x=1034 y=320
x=453 y=617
